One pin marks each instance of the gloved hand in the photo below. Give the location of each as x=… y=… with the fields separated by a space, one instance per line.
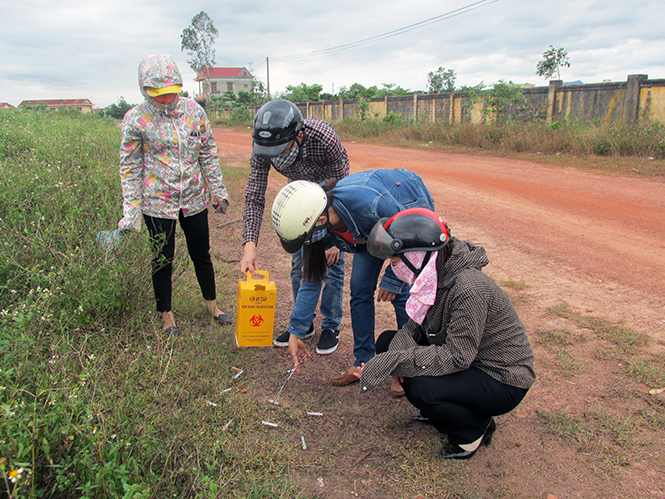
x=109 y=239
x=220 y=206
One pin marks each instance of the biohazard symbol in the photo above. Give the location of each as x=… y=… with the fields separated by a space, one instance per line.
x=256 y=320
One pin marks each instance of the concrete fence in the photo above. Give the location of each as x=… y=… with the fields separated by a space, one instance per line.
x=637 y=100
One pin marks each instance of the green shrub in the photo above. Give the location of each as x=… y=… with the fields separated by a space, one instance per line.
x=61 y=296
x=571 y=136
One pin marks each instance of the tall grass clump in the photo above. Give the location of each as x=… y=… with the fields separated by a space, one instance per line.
x=572 y=137
x=59 y=295
x=94 y=401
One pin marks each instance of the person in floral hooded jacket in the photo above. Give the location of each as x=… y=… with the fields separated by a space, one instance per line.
x=169 y=170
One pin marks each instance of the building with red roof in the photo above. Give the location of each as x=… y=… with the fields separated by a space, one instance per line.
x=81 y=105
x=216 y=81
x=6 y=105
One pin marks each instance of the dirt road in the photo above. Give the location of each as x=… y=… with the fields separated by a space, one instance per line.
x=553 y=235
x=542 y=225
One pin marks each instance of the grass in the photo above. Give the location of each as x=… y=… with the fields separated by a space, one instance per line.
x=644 y=366
x=515 y=285
x=596 y=146
x=559 y=337
x=613 y=438
x=623 y=337
x=93 y=401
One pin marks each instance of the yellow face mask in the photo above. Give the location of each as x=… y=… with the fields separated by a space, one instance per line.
x=171 y=89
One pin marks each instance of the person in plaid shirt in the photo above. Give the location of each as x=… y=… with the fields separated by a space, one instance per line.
x=299 y=149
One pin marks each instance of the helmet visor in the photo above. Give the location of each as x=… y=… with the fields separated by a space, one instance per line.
x=294 y=245
x=381 y=244
x=270 y=151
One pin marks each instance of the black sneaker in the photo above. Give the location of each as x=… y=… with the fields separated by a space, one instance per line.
x=283 y=339
x=327 y=342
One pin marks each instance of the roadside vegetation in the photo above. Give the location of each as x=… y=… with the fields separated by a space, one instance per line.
x=569 y=138
x=611 y=148
x=95 y=403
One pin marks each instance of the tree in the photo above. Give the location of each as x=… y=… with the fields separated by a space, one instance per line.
x=391 y=89
x=118 y=110
x=198 y=40
x=302 y=93
x=504 y=100
x=554 y=59
x=441 y=80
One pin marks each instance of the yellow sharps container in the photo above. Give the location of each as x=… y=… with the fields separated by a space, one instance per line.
x=255 y=313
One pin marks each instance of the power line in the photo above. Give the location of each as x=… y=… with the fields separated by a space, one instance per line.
x=395 y=32
x=57 y=81
x=60 y=52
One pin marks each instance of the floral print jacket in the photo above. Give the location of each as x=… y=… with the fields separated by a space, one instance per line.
x=168 y=156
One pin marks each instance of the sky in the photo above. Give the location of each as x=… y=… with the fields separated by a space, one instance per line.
x=90 y=49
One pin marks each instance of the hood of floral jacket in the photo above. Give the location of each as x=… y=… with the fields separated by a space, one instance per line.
x=158 y=71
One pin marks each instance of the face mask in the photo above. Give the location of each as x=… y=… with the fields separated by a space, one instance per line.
x=281 y=162
x=403 y=273
x=319 y=233
x=410 y=272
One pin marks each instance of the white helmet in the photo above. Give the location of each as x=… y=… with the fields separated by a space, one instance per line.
x=295 y=212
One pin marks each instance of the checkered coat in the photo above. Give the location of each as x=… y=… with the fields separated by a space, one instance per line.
x=472 y=323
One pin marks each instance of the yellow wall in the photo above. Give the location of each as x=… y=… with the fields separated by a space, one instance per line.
x=652 y=104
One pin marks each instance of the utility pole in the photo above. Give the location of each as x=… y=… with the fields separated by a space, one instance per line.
x=268 y=77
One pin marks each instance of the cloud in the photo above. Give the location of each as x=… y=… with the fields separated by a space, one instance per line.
x=91 y=49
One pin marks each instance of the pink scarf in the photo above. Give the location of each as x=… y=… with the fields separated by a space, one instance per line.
x=423 y=288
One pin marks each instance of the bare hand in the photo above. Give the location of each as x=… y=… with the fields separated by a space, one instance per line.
x=332 y=255
x=385 y=295
x=298 y=351
x=219 y=205
x=249 y=261
x=359 y=372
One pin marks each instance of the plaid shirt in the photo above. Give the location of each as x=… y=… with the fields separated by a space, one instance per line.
x=322 y=157
x=472 y=323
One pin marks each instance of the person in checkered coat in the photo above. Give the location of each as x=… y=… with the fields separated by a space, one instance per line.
x=463 y=357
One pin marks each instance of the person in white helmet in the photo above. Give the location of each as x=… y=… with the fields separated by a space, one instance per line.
x=348 y=213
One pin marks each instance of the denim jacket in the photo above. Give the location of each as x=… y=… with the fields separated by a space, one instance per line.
x=364 y=198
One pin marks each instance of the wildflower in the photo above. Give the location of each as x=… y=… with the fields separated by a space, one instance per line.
x=15 y=474
x=4 y=312
x=94 y=430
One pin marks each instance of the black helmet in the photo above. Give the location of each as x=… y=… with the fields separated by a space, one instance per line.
x=276 y=123
x=413 y=229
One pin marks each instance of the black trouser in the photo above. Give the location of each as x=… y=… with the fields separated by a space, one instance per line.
x=460 y=404
x=162 y=239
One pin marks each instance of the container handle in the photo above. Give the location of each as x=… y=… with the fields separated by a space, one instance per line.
x=261 y=275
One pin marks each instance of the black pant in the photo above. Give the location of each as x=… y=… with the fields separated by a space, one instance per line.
x=162 y=239
x=460 y=404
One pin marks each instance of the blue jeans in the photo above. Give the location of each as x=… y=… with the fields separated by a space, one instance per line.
x=364 y=278
x=306 y=297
